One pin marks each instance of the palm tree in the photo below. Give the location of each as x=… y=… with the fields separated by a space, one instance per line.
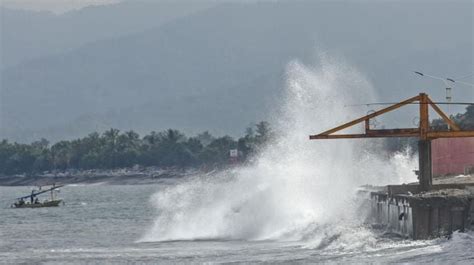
x=110 y=150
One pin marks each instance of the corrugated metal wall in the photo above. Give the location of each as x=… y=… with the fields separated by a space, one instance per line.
x=452 y=156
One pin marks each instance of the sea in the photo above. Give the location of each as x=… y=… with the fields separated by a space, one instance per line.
x=293 y=201
x=113 y=224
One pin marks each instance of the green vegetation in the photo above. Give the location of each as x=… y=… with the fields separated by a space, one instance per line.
x=171 y=148
x=464 y=120
x=115 y=149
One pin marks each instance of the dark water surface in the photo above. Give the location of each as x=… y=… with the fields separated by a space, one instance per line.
x=104 y=224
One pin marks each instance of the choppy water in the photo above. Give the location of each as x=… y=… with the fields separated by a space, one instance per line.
x=294 y=203
x=105 y=224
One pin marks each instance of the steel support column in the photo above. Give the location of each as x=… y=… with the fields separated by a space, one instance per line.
x=424 y=159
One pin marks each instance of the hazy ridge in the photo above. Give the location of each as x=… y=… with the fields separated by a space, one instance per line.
x=223 y=67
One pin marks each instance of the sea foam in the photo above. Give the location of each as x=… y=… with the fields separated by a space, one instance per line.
x=295 y=189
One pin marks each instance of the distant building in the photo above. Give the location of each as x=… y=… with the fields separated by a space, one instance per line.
x=234 y=156
x=452 y=156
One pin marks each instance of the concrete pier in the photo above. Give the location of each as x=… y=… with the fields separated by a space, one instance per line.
x=406 y=211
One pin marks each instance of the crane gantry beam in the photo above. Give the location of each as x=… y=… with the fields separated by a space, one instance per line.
x=423 y=132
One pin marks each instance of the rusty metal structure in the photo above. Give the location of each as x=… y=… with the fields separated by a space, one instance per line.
x=423 y=132
x=452 y=156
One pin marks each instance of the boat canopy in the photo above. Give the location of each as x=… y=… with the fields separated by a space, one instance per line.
x=39 y=192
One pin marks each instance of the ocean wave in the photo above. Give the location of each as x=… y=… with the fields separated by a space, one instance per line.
x=296 y=189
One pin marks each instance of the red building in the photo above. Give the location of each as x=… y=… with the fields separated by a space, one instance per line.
x=452 y=156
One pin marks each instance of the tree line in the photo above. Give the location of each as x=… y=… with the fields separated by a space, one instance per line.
x=171 y=148
x=115 y=149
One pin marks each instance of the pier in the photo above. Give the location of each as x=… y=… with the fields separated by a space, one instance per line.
x=424 y=209
x=411 y=213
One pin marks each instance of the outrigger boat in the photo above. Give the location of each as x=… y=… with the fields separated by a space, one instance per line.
x=32 y=201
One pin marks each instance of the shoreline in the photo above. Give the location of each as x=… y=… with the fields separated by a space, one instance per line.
x=106 y=177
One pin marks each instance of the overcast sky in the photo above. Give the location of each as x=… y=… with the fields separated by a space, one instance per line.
x=56 y=6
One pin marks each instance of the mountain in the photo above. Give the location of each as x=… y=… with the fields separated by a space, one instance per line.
x=29 y=34
x=223 y=67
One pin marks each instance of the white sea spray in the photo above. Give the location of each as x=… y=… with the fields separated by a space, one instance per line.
x=296 y=189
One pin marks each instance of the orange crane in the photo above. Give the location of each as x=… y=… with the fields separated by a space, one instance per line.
x=423 y=132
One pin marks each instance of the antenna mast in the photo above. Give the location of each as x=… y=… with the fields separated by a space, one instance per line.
x=448 y=88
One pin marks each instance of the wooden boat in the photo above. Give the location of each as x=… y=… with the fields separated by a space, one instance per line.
x=54 y=203
x=34 y=201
